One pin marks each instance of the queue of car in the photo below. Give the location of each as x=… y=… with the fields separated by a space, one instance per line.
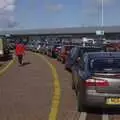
x=95 y=72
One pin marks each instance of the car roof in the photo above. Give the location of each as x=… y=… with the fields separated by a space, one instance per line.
x=89 y=47
x=102 y=54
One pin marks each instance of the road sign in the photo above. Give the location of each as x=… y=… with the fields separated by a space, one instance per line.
x=7 y=35
x=99 y=32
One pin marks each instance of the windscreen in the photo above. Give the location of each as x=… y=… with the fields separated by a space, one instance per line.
x=105 y=65
x=86 y=50
x=68 y=48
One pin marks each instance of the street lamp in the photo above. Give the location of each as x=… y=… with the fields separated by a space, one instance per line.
x=100 y=32
x=102 y=13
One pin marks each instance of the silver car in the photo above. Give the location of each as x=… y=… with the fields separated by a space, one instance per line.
x=97 y=80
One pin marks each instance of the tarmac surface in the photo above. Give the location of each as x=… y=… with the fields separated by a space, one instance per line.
x=26 y=92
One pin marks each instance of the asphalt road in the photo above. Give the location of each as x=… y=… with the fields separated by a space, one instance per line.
x=26 y=93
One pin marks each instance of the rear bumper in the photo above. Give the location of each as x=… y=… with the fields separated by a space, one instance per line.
x=99 y=100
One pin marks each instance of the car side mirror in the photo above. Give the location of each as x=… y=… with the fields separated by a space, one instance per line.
x=78 y=59
x=68 y=52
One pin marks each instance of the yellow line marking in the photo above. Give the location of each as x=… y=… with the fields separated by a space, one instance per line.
x=57 y=91
x=6 y=67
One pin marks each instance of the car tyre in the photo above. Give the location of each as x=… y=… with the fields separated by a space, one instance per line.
x=62 y=61
x=73 y=83
x=80 y=106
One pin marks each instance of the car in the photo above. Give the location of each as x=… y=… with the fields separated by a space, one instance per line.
x=64 y=52
x=5 y=52
x=112 y=47
x=57 y=51
x=49 y=49
x=76 y=52
x=42 y=49
x=52 y=50
x=97 y=80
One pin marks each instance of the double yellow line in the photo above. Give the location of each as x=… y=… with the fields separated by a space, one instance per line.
x=6 y=67
x=57 y=91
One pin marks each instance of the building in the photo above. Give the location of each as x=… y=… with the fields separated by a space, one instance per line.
x=111 y=32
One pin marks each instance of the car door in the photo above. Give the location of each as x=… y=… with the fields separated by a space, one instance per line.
x=82 y=75
x=72 y=56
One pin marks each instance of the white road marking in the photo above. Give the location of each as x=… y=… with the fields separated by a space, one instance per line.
x=83 y=116
x=105 y=117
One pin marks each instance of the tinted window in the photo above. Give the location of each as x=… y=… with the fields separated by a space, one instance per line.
x=68 y=47
x=82 y=51
x=105 y=65
x=73 y=52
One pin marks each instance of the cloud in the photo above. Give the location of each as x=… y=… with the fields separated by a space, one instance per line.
x=105 y=2
x=93 y=7
x=7 y=8
x=54 y=7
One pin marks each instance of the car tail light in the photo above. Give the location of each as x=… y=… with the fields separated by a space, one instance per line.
x=67 y=52
x=90 y=82
x=96 y=82
x=55 y=49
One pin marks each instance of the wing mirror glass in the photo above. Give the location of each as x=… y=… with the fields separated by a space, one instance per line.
x=68 y=52
x=78 y=59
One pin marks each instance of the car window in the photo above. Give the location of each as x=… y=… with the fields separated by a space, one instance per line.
x=73 y=52
x=82 y=63
x=110 y=65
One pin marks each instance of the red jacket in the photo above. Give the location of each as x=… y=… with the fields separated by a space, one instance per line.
x=20 y=49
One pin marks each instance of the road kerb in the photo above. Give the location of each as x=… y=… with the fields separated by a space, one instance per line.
x=2 y=71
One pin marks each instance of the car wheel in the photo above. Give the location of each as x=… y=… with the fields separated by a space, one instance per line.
x=73 y=83
x=80 y=106
x=58 y=59
x=76 y=83
x=62 y=60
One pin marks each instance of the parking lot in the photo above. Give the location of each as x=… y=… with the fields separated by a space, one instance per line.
x=29 y=93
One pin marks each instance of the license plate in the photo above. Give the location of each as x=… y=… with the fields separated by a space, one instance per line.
x=113 y=101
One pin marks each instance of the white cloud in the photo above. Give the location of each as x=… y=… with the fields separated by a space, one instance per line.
x=10 y=8
x=93 y=7
x=105 y=2
x=7 y=8
x=54 y=7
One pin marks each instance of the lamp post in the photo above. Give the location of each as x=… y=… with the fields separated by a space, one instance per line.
x=102 y=13
x=100 y=32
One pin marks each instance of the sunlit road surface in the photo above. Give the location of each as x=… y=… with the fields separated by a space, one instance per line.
x=26 y=93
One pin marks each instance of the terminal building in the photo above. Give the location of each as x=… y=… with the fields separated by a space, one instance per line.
x=111 y=32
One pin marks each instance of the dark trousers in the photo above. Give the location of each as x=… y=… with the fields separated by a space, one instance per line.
x=20 y=58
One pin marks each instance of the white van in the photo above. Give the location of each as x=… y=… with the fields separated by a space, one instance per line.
x=4 y=49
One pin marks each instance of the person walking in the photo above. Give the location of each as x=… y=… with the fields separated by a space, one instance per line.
x=20 y=51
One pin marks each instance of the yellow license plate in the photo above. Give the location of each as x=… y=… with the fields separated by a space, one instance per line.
x=113 y=101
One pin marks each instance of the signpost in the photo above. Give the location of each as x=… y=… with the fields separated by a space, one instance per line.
x=99 y=32
x=7 y=35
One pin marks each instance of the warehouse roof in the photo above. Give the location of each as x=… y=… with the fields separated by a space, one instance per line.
x=69 y=30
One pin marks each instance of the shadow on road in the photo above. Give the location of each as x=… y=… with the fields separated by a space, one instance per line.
x=109 y=111
x=25 y=63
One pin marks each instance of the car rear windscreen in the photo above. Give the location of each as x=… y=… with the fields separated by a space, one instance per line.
x=108 y=65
